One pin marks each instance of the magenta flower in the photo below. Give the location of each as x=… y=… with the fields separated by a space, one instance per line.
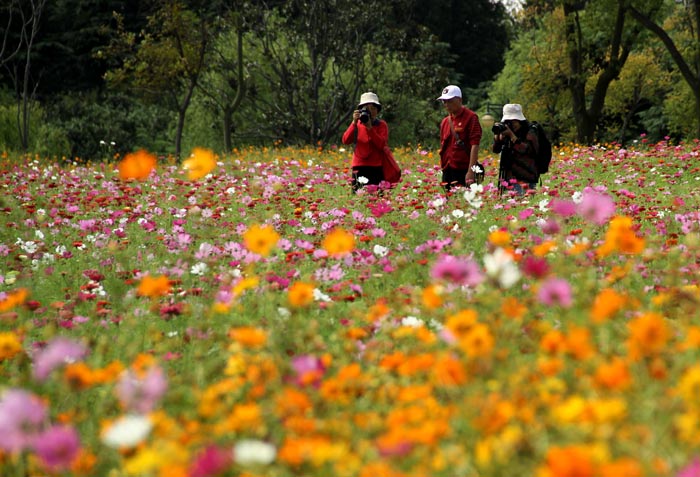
x=57 y=447
x=536 y=267
x=22 y=417
x=457 y=271
x=555 y=291
x=564 y=208
x=58 y=352
x=691 y=470
x=141 y=394
x=211 y=461
x=596 y=207
x=308 y=369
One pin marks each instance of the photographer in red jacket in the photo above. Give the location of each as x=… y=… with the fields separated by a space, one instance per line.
x=370 y=135
x=460 y=135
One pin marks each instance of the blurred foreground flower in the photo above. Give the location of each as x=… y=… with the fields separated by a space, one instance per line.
x=254 y=452
x=200 y=163
x=300 y=294
x=153 y=286
x=261 y=239
x=338 y=242
x=58 y=352
x=22 y=416
x=127 y=431
x=57 y=447
x=137 y=165
x=140 y=391
x=10 y=345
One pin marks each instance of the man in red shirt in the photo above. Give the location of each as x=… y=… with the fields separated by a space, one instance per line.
x=460 y=135
x=370 y=135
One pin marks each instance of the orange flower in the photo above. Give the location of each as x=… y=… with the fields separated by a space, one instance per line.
x=137 y=165
x=692 y=339
x=570 y=461
x=431 y=296
x=606 y=305
x=13 y=299
x=513 y=308
x=624 y=467
x=10 y=345
x=449 y=371
x=201 y=162
x=300 y=294
x=648 y=335
x=153 y=287
x=613 y=375
x=338 y=242
x=499 y=238
x=478 y=342
x=578 y=342
x=621 y=237
x=553 y=342
x=261 y=239
x=248 y=336
x=460 y=324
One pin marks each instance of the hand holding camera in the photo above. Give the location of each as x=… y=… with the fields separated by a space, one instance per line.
x=502 y=131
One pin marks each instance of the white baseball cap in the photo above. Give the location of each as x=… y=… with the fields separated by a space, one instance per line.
x=513 y=111
x=450 y=92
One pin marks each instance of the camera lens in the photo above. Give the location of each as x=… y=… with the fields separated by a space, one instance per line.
x=364 y=115
x=498 y=128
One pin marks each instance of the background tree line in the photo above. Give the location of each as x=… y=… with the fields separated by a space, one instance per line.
x=92 y=78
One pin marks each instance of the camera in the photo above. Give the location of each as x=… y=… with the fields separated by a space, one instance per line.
x=498 y=128
x=364 y=115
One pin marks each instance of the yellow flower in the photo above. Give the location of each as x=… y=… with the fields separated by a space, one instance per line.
x=153 y=286
x=10 y=345
x=338 y=242
x=261 y=239
x=478 y=342
x=300 y=294
x=201 y=162
x=689 y=387
x=137 y=165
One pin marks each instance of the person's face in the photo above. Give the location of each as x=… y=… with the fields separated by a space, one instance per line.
x=452 y=105
x=513 y=124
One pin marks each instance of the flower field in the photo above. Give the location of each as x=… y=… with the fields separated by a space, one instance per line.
x=249 y=316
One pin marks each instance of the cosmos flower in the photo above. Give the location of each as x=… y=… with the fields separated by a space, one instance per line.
x=596 y=207
x=153 y=286
x=212 y=461
x=60 y=351
x=501 y=267
x=261 y=239
x=127 y=431
x=22 y=417
x=300 y=294
x=57 y=446
x=338 y=242
x=555 y=291
x=254 y=452
x=200 y=163
x=457 y=270
x=139 y=392
x=137 y=165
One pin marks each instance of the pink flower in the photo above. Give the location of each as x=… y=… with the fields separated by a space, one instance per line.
x=308 y=369
x=57 y=447
x=211 y=461
x=691 y=470
x=535 y=266
x=596 y=207
x=555 y=291
x=141 y=394
x=58 y=352
x=22 y=416
x=564 y=208
x=456 y=270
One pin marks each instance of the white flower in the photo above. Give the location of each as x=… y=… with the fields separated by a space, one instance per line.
x=477 y=169
x=127 y=431
x=362 y=180
x=437 y=203
x=412 y=321
x=199 y=268
x=458 y=213
x=252 y=452
x=473 y=195
x=577 y=197
x=543 y=205
x=501 y=266
x=380 y=251
x=320 y=296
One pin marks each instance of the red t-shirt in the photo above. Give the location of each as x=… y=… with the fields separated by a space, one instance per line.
x=369 y=150
x=467 y=126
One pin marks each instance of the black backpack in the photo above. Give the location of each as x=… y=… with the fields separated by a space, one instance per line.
x=544 y=155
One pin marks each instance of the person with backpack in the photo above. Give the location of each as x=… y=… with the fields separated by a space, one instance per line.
x=518 y=142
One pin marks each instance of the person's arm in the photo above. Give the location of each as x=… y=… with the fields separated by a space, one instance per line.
x=351 y=131
x=379 y=135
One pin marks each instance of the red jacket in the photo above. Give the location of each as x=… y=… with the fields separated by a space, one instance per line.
x=369 y=150
x=468 y=128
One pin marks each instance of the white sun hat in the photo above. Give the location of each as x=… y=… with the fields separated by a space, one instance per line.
x=512 y=111
x=450 y=92
x=369 y=98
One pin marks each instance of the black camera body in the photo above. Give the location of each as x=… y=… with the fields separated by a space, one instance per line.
x=498 y=128
x=364 y=115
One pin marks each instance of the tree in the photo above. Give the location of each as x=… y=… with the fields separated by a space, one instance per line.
x=163 y=63
x=598 y=43
x=686 y=53
x=18 y=63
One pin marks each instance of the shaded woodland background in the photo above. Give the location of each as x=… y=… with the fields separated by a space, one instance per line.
x=94 y=78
